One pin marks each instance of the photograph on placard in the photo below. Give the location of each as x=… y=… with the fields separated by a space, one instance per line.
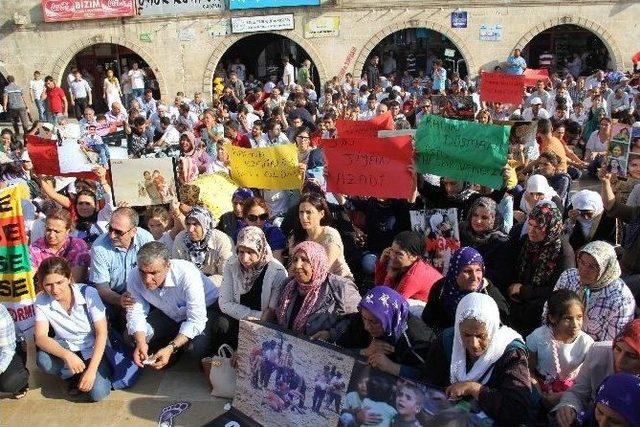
x=618 y=149
x=441 y=234
x=144 y=181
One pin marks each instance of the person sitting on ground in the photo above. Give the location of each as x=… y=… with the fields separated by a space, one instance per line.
x=14 y=376
x=256 y=213
x=616 y=402
x=587 y=221
x=230 y=221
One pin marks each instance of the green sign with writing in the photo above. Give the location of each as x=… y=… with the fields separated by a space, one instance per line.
x=462 y=150
x=146 y=37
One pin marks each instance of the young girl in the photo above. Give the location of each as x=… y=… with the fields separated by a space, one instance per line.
x=558 y=348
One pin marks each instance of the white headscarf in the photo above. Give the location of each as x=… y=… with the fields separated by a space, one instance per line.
x=537 y=184
x=587 y=200
x=482 y=308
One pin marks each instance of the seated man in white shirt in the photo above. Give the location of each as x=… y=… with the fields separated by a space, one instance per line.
x=172 y=304
x=535 y=111
x=170 y=135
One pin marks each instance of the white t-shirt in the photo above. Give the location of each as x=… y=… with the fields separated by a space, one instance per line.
x=570 y=356
x=37 y=86
x=137 y=79
x=594 y=144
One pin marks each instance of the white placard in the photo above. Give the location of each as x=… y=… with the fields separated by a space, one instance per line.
x=250 y=24
x=155 y=7
x=218 y=29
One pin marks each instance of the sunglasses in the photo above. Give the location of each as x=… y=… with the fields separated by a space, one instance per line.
x=261 y=217
x=118 y=233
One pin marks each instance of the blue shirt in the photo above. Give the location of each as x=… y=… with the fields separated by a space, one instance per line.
x=439 y=79
x=515 y=65
x=113 y=265
x=184 y=297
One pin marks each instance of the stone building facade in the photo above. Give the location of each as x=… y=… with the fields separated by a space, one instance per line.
x=28 y=43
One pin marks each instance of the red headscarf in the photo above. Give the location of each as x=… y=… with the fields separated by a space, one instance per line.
x=630 y=335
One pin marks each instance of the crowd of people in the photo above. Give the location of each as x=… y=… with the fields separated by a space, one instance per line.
x=533 y=318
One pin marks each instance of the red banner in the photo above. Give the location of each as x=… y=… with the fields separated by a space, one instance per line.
x=531 y=76
x=501 y=87
x=365 y=128
x=44 y=156
x=372 y=167
x=74 y=10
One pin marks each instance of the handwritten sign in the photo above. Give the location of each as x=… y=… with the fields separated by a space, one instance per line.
x=272 y=168
x=501 y=87
x=215 y=192
x=377 y=167
x=531 y=76
x=17 y=291
x=364 y=128
x=462 y=150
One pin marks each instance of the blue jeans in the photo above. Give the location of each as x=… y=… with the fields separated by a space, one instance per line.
x=137 y=93
x=55 y=366
x=103 y=153
x=41 y=110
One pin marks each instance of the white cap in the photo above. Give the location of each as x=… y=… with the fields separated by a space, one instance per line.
x=536 y=101
x=397 y=89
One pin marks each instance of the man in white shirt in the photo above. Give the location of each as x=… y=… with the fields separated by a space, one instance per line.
x=147 y=103
x=257 y=138
x=37 y=87
x=271 y=84
x=618 y=103
x=137 y=75
x=535 y=112
x=288 y=75
x=80 y=94
x=183 y=301
x=125 y=85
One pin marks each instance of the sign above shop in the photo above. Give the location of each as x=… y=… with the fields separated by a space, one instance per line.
x=491 y=33
x=459 y=19
x=218 y=29
x=66 y=10
x=323 y=26
x=251 y=24
x=261 y=4
x=156 y=7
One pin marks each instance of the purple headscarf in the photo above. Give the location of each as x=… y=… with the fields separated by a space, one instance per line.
x=451 y=293
x=390 y=308
x=621 y=392
x=242 y=194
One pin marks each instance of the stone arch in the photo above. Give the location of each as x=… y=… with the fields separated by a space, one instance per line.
x=604 y=35
x=358 y=66
x=228 y=41
x=60 y=64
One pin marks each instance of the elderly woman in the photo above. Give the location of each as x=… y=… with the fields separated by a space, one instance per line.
x=616 y=403
x=208 y=248
x=482 y=230
x=602 y=360
x=609 y=302
x=541 y=257
x=315 y=302
x=57 y=241
x=250 y=280
x=537 y=190
x=77 y=316
x=193 y=160
x=393 y=340
x=480 y=359
x=587 y=221
x=466 y=275
x=229 y=221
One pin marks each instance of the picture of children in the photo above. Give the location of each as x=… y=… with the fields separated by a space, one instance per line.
x=617 y=167
x=622 y=135
x=92 y=143
x=144 y=181
x=409 y=403
x=442 y=237
x=147 y=187
x=617 y=151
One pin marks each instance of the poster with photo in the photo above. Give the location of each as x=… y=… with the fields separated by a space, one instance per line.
x=618 y=150
x=441 y=233
x=144 y=181
x=284 y=380
x=74 y=155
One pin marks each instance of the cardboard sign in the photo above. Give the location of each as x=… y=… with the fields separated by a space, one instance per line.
x=378 y=167
x=501 y=87
x=272 y=168
x=365 y=128
x=144 y=181
x=531 y=76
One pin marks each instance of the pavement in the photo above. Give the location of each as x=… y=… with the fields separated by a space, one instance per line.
x=48 y=404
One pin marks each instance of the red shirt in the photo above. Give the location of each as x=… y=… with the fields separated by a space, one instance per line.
x=241 y=141
x=416 y=283
x=55 y=97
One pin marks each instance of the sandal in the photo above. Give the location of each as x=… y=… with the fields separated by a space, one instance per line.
x=21 y=394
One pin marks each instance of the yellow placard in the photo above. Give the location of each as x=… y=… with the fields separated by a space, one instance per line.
x=322 y=26
x=216 y=190
x=272 y=168
x=10 y=197
x=17 y=287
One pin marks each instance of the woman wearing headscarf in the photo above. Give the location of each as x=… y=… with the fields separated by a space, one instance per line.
x=593 y=123
x=250 y=279
x=480 y=359
x=541 y=257
x=193 y=159
x=587 y=221
x=208 y=248
x=315 y=302
x=466 y=275
x=603 y=360
x=609 y=302
x=483 y=231
x=394 y=340
x=616 y=403
x=230 y=221
x=537 y=190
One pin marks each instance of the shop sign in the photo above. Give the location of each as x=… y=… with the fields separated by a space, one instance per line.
x=75 y=10
x=171 y=7
x=254 y=24
x=491 y=33
x=146 y=37
x=323 y=26
x=459 y=19
x=219 y=29
x=261 y=4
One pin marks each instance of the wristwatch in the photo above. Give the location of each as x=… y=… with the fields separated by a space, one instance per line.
x=173 y=346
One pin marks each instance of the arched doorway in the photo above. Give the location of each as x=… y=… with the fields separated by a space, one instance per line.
x=261 y=55
x=559 y=43
x=93 y=62
x=415 y=50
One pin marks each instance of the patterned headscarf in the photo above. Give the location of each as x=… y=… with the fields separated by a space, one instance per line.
x=390 y=308
x=621 y=393
x=242 y=194
x=545 y=253
x=451 y=292
x=475 y=239
x=198 y=250
x=607 y=260
x=320 y=264
x=252 y=238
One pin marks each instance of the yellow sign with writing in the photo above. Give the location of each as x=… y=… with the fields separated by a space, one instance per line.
x=215 y=193
x=272 y=168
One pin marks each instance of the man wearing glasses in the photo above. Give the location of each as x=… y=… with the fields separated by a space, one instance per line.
x=113 y=257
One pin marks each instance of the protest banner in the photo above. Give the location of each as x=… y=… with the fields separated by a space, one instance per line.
x=462 y=150
x=531 y=76
x=144 y=181
x=17 y=291
x=371 y=167
x=45 y=158
x=215 y=191
x=501 y=87
x=271 y=168
x=364 y=128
